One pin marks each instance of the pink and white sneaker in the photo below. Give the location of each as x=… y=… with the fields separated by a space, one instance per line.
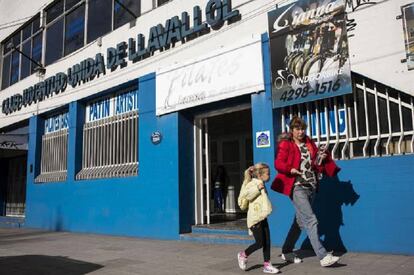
x=242 y=259
x=269 y=268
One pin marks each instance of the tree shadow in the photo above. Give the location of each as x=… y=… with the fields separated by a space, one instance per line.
x=332 y=195
x=43 y=264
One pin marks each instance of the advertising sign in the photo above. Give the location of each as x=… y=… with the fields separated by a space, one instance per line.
x=326 y=123
x=309 y=51
x=57 y=123
x=408 y=18
x=110 y=106
x=217 y=76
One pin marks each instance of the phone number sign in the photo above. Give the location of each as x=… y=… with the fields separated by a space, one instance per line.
x=309 y=51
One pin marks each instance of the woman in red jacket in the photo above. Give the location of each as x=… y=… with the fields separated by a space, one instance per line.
x=298 y=163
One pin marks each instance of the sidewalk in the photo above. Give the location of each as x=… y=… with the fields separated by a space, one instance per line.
x=24 y=251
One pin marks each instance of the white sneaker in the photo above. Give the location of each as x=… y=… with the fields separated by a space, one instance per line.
x=329 y=260
x=269 y=268
x=291 y=258
x=242 y=261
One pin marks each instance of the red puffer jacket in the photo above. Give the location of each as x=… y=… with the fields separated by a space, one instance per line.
x=288 y=157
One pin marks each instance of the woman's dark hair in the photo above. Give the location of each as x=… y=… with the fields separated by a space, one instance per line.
x=297 y=122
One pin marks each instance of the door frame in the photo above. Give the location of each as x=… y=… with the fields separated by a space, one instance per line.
x=202 y=154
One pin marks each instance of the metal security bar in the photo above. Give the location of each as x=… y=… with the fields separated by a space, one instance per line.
x=373 y=121
x=53 y=165
x=110 y=147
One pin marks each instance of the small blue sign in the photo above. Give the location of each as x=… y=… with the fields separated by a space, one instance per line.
x=156 y=138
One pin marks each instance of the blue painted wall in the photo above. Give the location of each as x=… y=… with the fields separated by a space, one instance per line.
x=145 y=205
x=367 y=207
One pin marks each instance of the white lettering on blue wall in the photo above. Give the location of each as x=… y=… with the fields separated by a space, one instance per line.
x=99 y=109
x=126 y=102
x=323 y=123
x=56 y=123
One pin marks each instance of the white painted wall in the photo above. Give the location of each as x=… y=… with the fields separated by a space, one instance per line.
x=378 y=46
x=379 y=61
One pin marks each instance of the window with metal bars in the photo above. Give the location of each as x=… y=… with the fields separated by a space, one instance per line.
x=54 y=151
x=110 y=138
x=373 y=121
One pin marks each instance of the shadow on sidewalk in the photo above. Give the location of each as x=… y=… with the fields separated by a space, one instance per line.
x=42 y=264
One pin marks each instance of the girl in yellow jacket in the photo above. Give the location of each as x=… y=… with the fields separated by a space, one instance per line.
x=253 y=196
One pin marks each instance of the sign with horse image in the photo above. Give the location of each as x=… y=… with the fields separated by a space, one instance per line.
x=309 y=51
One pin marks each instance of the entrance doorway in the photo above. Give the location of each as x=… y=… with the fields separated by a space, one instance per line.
x=13 y=182
x=223 y=142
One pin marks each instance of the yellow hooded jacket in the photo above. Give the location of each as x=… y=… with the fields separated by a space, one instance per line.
x=259 y=204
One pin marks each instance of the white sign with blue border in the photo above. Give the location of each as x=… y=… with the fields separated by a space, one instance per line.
x=263 y=139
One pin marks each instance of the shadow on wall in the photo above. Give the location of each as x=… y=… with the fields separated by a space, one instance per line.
x=327 y=206
x=42 y=264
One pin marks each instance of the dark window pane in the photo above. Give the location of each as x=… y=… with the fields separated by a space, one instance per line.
x=36 y=24
x=99 y=18
x=54 y=11
x=361 y=113
x=395 y=117
x=74 y=32
x=71 y=3
x=16 y=39
x=352 y=123
x=121 y=16
x=27 y=31
x=54 y=42
x=161 y=2
x=383 y=113
x=407 y=119
x=37 y=50
x=6 y=47
x=14 y=74
x=6 y=72
x=372 y=117
x=26 y=49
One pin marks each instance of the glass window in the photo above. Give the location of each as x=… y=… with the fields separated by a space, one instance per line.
x=383 y=113
x=104 y=156
x=27 y=31
x=395 y=117
x=6 y=72
x=6 y=47
x=54 y=42
x=372 y=117
x=99 y=18
x=75 y=30
x=54 y=11
x=16 y=66
x=26 y=49
x=16 y=39
x=121 y=15
x=36 y=24
x=37 y=50
x=70 y=3
x=14 y=74
x=407 y=119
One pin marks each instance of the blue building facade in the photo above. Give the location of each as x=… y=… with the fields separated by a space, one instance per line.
x=126 y=169
x=366 y=208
